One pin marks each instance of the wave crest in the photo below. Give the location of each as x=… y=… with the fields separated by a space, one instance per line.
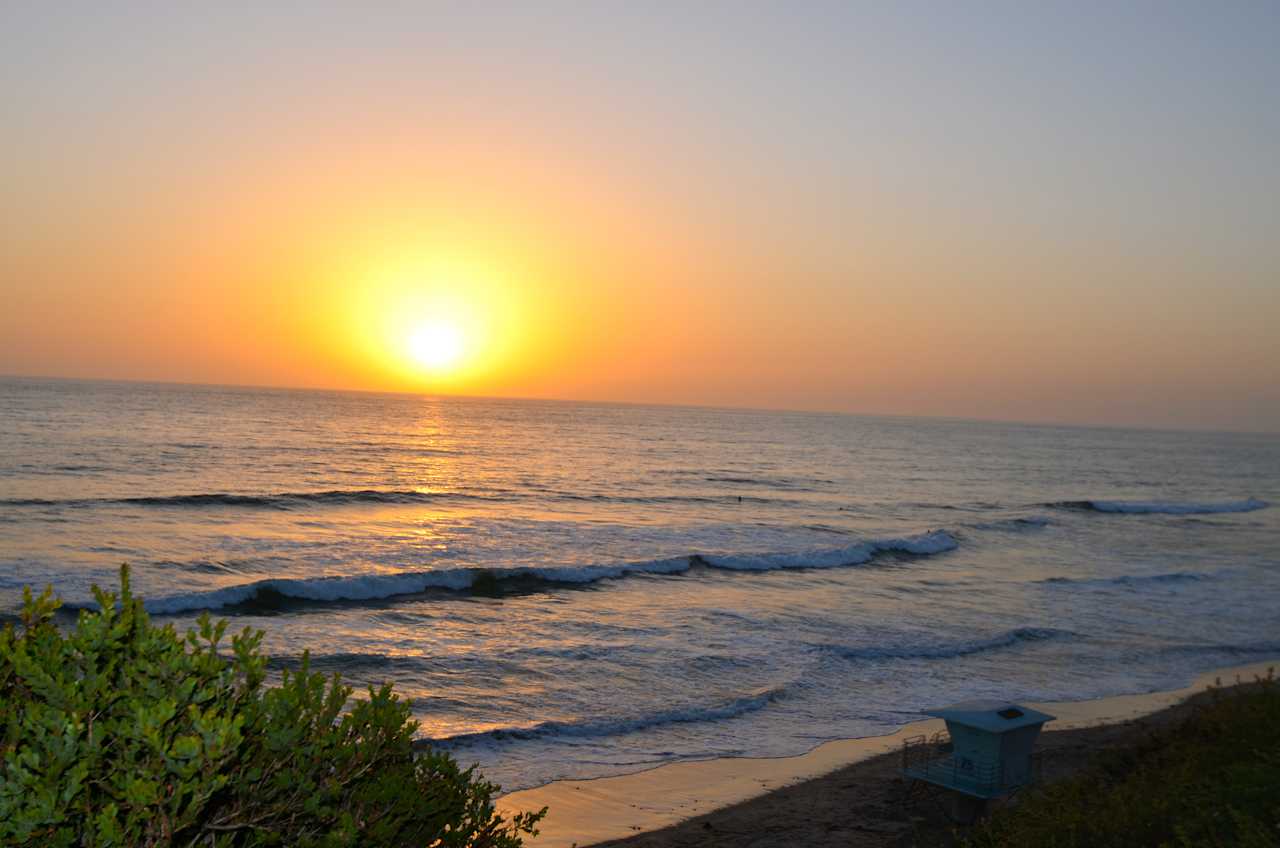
x=1164 y=507
x=588 y=729
x=272 y=593
x=947 y=650
x=925 y=544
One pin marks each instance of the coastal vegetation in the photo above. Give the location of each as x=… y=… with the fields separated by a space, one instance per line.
x=120 y=732
x=1212 y=780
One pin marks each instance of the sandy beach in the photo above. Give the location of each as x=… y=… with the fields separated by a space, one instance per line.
x=844 y=792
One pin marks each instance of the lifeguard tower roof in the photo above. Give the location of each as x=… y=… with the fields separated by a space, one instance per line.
x=990 y=716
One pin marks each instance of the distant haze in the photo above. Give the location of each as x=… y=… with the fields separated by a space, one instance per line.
x=1047 y=212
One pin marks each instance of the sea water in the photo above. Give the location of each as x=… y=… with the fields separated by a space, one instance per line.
x=574 y=589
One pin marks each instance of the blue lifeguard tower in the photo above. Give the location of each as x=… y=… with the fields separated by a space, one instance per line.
x=985 y=754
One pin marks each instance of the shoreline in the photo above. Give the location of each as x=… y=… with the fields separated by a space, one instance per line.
x=584 y=812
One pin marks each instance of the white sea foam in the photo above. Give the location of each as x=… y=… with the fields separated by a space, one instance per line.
x=368 y=587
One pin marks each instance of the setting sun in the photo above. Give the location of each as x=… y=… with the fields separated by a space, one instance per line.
x=437 y=345
x=420 y=312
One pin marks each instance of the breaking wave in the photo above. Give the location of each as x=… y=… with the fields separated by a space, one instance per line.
x=275 y=592
x=718 y=712
x=1164 y=507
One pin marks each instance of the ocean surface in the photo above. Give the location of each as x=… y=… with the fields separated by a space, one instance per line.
x=571 y=589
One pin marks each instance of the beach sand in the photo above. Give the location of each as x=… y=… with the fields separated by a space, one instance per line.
x=845 y=792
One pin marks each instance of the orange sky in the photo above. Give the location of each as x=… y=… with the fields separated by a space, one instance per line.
x=763 y=215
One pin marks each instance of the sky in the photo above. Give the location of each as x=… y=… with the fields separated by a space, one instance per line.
x=1061 y=212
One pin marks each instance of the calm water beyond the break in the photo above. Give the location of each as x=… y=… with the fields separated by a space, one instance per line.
x=670 y=583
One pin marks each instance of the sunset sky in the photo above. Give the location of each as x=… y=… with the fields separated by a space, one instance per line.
x=1024 y=211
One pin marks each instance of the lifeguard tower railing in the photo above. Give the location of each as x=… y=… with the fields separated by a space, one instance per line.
x=932 y=760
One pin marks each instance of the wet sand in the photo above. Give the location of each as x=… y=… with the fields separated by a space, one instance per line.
x=845 y=792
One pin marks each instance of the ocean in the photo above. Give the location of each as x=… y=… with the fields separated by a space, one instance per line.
x=577 y=589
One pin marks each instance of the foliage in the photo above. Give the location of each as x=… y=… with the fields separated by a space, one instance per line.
x=1214 y=780
x=122 y=733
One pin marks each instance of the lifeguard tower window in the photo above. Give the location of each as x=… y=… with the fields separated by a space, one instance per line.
x=1012 y=712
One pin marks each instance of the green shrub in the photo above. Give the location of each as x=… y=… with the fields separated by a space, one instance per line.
x=1213 y=780
x=122 y=733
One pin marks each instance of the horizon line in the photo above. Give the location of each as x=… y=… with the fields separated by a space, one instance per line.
x=662 y=405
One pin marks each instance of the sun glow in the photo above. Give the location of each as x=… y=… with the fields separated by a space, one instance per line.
x=437 y=345
x=439 y=316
